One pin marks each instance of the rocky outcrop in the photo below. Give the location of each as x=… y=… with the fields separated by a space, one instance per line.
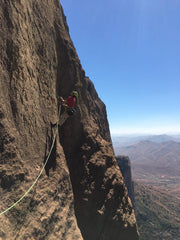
x=81 y=195
x=124 y=164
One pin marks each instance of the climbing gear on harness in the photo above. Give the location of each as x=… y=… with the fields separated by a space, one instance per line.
x=71 y=111
x=20 y=199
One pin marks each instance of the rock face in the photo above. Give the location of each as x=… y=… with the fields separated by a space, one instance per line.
x=81 y=195
x=125 y=167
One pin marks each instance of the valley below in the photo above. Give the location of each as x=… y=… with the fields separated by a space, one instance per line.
x=166 y=183
x=154 y=162
x=157 y=213
x=155 y=166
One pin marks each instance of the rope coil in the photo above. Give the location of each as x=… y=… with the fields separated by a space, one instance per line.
x=20 y=199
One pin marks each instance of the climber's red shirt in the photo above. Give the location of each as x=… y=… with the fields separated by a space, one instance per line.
x=71 y=101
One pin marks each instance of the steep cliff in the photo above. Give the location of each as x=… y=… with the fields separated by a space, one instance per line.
x=125 y=167
x=81 y=195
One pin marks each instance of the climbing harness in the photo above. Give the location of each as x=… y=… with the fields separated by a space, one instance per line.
x=20 y=199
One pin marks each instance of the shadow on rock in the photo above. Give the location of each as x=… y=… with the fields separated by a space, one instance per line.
x=52 y=158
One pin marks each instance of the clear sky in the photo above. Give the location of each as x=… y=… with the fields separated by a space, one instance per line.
x=130 y=49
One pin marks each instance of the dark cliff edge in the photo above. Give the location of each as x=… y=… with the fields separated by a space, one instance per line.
x=82 y=194
x=124 y=164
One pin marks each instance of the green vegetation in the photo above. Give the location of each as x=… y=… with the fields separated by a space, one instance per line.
x=157 y=213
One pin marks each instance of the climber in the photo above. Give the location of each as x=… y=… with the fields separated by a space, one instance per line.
x=68 y=104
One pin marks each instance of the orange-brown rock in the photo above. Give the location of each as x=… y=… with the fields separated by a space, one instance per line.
x=81 y=195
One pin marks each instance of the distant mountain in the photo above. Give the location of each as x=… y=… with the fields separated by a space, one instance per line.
x=177 y=138
x=122 y=141
x=158 y=158
x=155 y=164
x=157 y=213
x=160 y=138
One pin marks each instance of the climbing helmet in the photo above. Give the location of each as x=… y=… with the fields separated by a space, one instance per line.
x=75 y=93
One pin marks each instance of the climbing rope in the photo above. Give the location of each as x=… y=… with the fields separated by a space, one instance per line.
x=20 y=199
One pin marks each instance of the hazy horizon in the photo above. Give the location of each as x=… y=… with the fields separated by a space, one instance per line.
x=147 y=132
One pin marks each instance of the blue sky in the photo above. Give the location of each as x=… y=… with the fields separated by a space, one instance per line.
x=130 y=49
